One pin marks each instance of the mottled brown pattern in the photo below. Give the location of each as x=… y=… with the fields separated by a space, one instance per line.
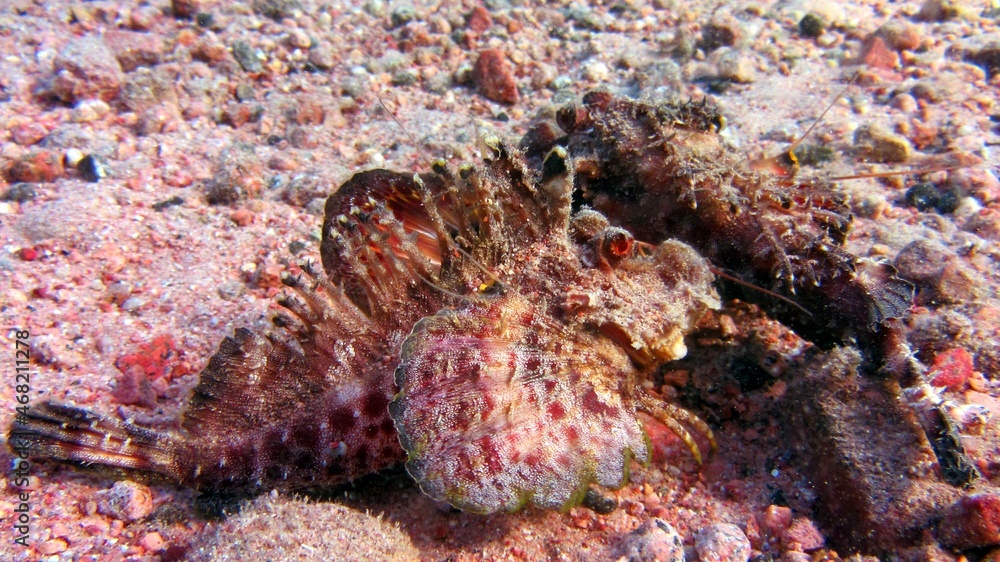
x=556 y=319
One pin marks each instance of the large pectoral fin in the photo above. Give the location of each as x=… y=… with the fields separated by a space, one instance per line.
x=500 y=406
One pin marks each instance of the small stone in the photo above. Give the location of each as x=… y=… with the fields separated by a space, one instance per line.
x=247 y=57
x=145 y=88
x=937 y=10
x=876 y=54
x=802 y=535
x=406 y=77
x=152 y=542
x=985 y=224
x=402 y=15
x=41 y=166
x=972 y=522
x=277 y=9
x=20 y=192
x=479 y=20
x=875 y=144
x=242 y=217
x=92 y=168
x=299 y=39
x=722 y=542
x=239 y=175
x=904 y=102
x=231 y=290
x=923 y=196
x=321 y=56
x=987 y=57
x=126 y=501
x=244 y=92
x=596 y=72
x=655 y=541
x=900 y=35
x=811 y=26
x=952 y=369
x=776 y=519
x=84 y=69
x=494 y=77
x=26 y=134
x=133 y=49
x=735 y=66
x=185 y=9
x=143 y=18
x=721 y=32
x=204 y=19
x=52 y=546
x=132 y=304
x=88 y=111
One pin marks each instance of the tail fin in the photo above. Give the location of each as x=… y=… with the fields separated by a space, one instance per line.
x=67 y=433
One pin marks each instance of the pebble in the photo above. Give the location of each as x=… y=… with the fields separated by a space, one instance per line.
x=936 y=10
x=321 y=56
x=876 y=54
x=84 y=69
x=735 y=66
x=811 y=26
x=20 y=192
x=185 y=9
x=722 y=542
x=41 y=166
x=972 y=522
x=277 y=9
x=133 y=49
x=88 y=111
x=92 y=168
x=900 y=35
x=26 y=134
x=987 y=57
x=247 y=57
x=802 y=535
x=402 y=15
x=238 y=175
x=143 y=18
x=152 y=542
x=596 y=72
x=985 y=224
x=126 y=501
x=875 y=144
x=479 y=20
x=494 y=78
x=951 y=369
x=655 y=541
x=776 y=519
x=52 y=546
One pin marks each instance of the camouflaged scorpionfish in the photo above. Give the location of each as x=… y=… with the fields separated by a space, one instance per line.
x=466 y=324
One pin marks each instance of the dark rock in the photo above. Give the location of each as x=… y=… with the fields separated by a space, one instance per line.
x=811 y=26
x=92 y=168
x=972 y=522
x=277 y=9
x=20 y=192
x=923 y=196
x=185 y=9
x=402 y=15
x=599 y=503
x=247 y=57
x=866 y=499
